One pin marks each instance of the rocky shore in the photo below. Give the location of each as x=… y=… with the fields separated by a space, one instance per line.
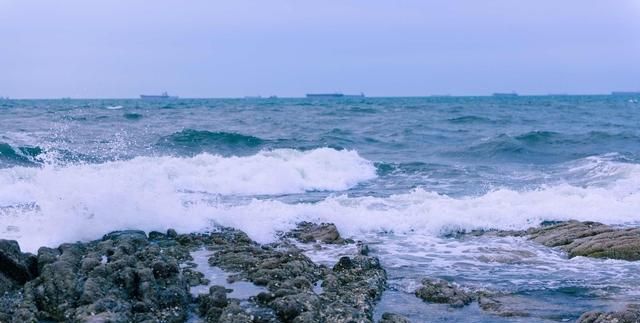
x=132 y=276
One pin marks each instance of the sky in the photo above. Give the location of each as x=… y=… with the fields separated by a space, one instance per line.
x=209 y=48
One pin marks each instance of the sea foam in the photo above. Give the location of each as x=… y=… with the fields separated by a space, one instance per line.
x=54 y=204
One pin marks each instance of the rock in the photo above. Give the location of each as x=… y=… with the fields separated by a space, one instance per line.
x=493 y=305
x=155 y=235
x=350 y=288
x=291 y=306
x=233 y=313
x=211 y=306
x=16 y=268
x=194 y=277
x=128 y=276
x=590 y=239
x=393 y=318
x=363 y=249
x=122 y=277
x=308 y=232
x=631 y=314
x=171 y=233
x=443 y=292
x=218 y=296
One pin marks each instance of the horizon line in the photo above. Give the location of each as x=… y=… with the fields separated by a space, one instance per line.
x=257 y=97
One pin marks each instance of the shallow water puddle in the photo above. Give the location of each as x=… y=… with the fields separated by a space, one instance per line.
x=240 y=289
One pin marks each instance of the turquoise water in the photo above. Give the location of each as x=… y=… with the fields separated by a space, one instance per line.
x=399 y=172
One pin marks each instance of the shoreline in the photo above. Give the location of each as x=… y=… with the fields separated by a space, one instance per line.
x=134 y=276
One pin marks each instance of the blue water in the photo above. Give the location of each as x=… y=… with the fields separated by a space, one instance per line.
x=399 y=172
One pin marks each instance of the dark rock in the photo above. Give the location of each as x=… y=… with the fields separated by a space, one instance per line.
x=211 y=306
x=16 y=268
x=233 y=313
x=46 y=256
x=129 y=277
x=164 y=269
x=344 y=263
x=443 y=292
x=218 y=296
x=290 y=306
x=155 y=235
x=265 y=297
x=171 y=233
x=135 y=235
x=363 y=249
x=352 y=288
x=393 y=318
x=122 y=277
x=308 y=232
x=194 y=277
x=631 y=314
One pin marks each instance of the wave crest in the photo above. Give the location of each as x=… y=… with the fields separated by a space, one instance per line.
x=550 y=146
x=20 y=155
x=216 y=141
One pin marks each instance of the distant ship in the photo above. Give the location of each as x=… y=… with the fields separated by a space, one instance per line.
x=259 y=97
x=623 y=93
x=162 y=96
x=334 y=95
x=505 y=95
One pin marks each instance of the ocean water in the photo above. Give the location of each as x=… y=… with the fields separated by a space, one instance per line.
x=401 y=173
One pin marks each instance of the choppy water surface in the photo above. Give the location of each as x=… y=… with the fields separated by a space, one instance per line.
x=399 y=172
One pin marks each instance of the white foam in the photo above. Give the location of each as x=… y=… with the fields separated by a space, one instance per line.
x=429 y=213
x=51 y=205
x=57 y=203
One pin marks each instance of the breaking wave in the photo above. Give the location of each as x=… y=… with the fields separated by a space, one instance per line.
x=20 y=155
x=50 y=205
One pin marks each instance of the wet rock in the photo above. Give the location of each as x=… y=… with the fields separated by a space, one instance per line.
x=443 y=292
x=211 y=306
x=493 y=305
x=308 y=232
x=128 y=276
x=289 y=307
x=393 y=318
x=194 y=277
x=363 y=249
x=264 y=266
x=122 y=277
x=590 y=239
x=171 y=233
x=16 y=268
x=631 y=314
x=233 y=313
x=350 y=288
x=11 y=309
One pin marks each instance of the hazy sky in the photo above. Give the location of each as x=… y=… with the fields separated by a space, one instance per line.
x=208 y=48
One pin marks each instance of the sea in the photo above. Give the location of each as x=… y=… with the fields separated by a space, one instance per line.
x=407 y=175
